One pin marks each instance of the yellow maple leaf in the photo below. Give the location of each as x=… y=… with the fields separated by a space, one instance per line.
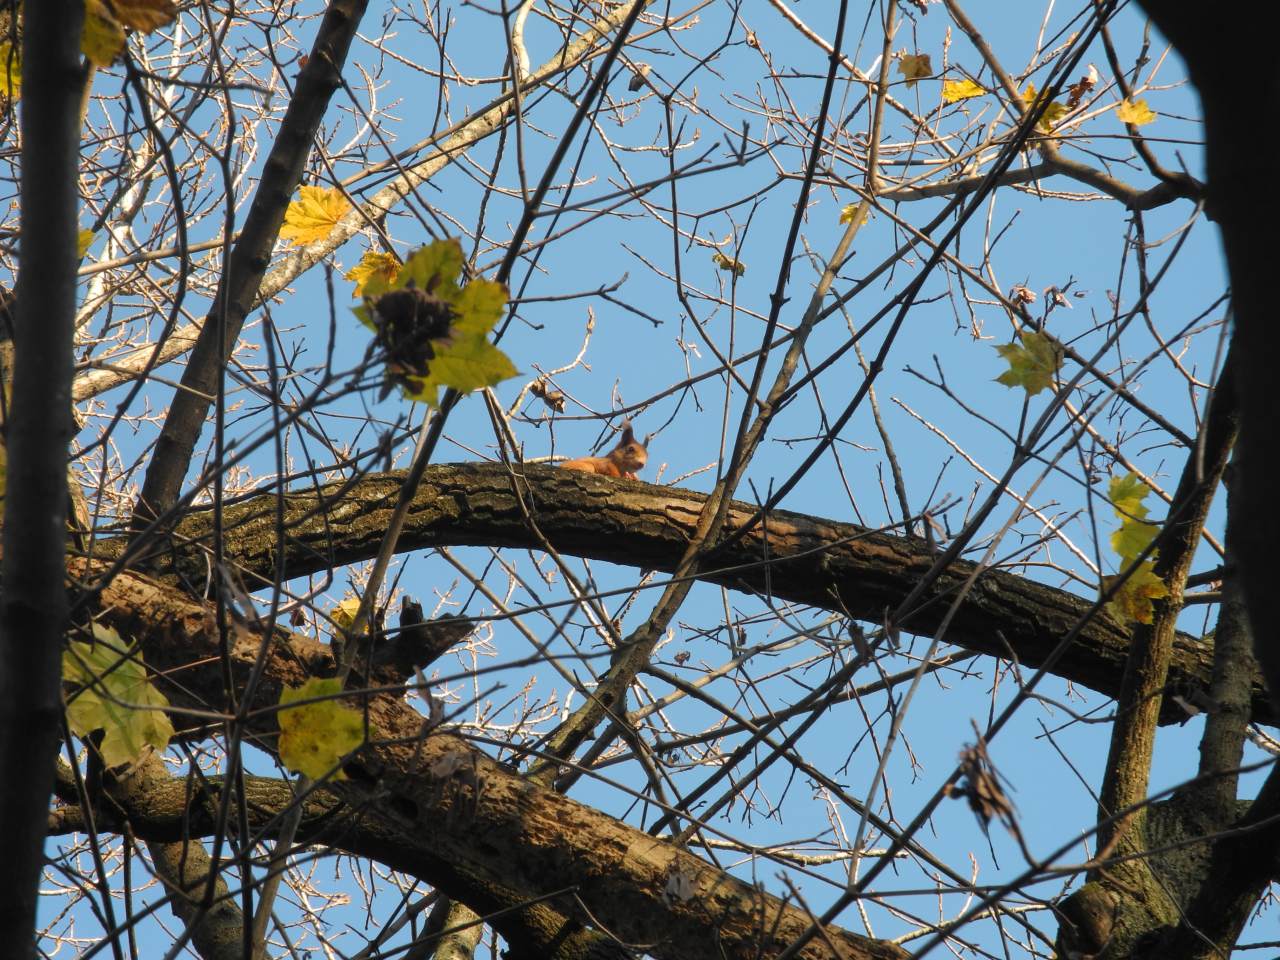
x=102 y=38
x=10 y=71
x=914 y=66
x=1032 y=363
x=1126 y=494
x=144 y=15
x=736 y=267
x=374 y=263
x=1135 y=112
x=953 y=91
x=344 y=614
x=1052 y=113
x=313 y=215
x=1132 y=601
x=314 y=737
x=853 y=210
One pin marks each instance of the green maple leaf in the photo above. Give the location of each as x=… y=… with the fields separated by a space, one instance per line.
x=1135 y=533
x=1132 y=538
x=480 y=305
x=434 y=268
x=463 y=359
x=315 y=736
x=1133 y=601
x=115 y=697
x=466 y=360
x=469 y=363
x=1032 y=363
x=1126 y=495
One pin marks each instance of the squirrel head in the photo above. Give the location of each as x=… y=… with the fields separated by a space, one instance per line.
x=630 y=454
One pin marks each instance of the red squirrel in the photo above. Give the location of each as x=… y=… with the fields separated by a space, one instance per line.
x=622 y=461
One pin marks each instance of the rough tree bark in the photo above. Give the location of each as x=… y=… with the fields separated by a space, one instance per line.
x=426 y=802
x=811 y=560
x=38 y=430
x=1238 y=168
x=1194 y=899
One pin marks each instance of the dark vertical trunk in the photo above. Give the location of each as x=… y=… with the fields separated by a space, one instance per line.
x=37 y=434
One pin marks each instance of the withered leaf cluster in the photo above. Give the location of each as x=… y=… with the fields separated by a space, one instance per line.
x=407 y=321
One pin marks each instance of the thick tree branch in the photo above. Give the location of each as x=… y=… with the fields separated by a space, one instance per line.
x=1151 y=652
x=216 y=927
x=1242 y=864
x=1225 y=728
x=1246 y=854
x=168 y=812
x=1236 y=170
x=37 y=433
x=835 y=566
x=1134 y=841
x=435 y=807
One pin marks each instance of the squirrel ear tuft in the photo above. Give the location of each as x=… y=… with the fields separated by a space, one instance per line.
x=627 y=435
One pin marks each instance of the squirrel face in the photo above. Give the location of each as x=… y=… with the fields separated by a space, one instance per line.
x=630 y=455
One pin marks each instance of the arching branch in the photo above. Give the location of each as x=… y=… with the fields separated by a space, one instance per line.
x=835 y=566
